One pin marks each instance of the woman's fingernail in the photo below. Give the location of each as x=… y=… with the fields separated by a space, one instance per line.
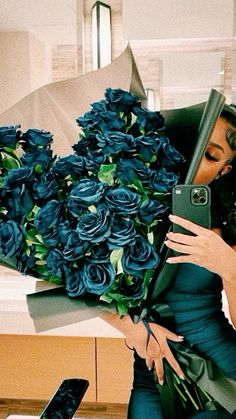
x=149 y=369
x=161 y=382
x=182 y=377
x=169 y=260
x=181 y=337
x=171 y=216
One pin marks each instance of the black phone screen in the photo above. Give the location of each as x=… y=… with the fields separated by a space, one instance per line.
x=66 y=400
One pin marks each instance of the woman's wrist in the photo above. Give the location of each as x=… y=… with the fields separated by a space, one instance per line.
x=124 y=324
x=228 y=273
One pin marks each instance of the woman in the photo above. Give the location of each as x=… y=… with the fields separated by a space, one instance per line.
x=207 y=264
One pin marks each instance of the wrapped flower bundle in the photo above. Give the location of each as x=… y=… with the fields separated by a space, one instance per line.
x=93 y=222
x=89 y=221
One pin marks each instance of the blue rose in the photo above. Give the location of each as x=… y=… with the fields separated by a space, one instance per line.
x=74 y=284
x=138 y=257
x=9 y=136
x=163 y=181
x=46 y=187
x=121 y=101
x=41 y=158
x=101 y=119
x=130 y=169
x=149 y=120
x=35 y=139
x=51 y=237
x=133 y=289
x=100 y=253
x=74 y=208
x=19 y=204
x=87 y=192
x=18 y=177
x=95 y=226
x=64 y=230
x=148 y=146
x=122 y=233
x=56 y=264
x=115 y=142
x=25 y=263
x=153 y=209
x=122 y=200
x=84 y=143
x=171 y=157
x=93 y=161
x=75 y=248
x=48 y=216
x=72 y=165
x=98 y=277
x=11 y=238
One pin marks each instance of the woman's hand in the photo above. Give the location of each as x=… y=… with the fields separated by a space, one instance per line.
x=206 y=248
x=155 y=349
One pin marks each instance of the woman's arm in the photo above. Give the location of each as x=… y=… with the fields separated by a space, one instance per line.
x=229 y=284
x=207 y=249
x=156 y=350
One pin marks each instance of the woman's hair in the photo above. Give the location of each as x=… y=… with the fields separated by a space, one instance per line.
x=224 y=189
x=229 y=114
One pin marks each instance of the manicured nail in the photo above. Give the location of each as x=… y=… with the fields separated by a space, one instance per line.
x=182 y=377
x=181 y=337
x=161 y=382
x=171 y=216
x=169 y=260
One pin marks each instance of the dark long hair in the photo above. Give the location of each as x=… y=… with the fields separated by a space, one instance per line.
x=224 y=189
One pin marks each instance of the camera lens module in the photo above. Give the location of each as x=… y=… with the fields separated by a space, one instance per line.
x=199 y=196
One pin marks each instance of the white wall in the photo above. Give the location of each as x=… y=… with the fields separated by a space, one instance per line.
x=24 y=66
x=167 y=19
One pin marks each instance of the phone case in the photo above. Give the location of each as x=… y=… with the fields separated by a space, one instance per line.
x=192 y=202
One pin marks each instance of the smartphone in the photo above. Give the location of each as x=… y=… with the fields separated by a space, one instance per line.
x=192 y=202
x=66 y=399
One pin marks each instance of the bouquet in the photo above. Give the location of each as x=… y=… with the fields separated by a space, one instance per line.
x=93 y=221
x=89 y=221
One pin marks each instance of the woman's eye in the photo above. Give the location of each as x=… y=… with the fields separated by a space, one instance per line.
x=210 y=156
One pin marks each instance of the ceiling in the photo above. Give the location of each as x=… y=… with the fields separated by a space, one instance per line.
x=51 y=21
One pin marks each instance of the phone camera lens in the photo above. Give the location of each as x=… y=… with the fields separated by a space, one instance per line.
x=199 y=196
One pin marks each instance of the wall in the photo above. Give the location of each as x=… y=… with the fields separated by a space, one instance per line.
x=177 y=19
x=25 y=66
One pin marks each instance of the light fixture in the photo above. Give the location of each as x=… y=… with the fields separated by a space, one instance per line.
x=150 y=99
x=101 y=34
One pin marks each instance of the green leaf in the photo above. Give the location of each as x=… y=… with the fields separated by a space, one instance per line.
x=115 y=259
x=106 y=298
x=40 y=262
x=39 y=238
x=41 y=248
x=153 y=159
x=150 y=237
x=147 y=277
x=10 y=162
x=122 y=308
x=138 y=186
x=3 y=210
x=107 y=173
x=38 y=169
x=40 y=256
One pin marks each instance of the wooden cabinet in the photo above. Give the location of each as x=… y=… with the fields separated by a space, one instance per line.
x=114 y=370
x=32 y=366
